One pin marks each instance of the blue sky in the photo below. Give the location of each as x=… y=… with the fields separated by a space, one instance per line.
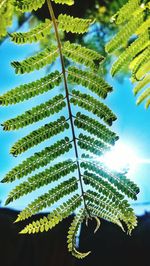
x=133 y=124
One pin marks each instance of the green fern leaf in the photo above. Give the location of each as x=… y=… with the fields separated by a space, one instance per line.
x=142 y=84
x=66 y=2
x=27 y=91
x=77 y=221
x=143 y=96
x=90 y=80
x=95 y=128
x=27 y=5
x=36 y=113
x=82 y=55
x=92 y=105
x=126 y=12
x=92 y=145
x=46 y=177
x=127 y=31
x=74 y=25
x=135 y=48
x=6 y=15
x=49 y=198
x=41 y=59
x=55 y=217
x=119 y=180
x=34 y=35
x=39 y=159
x=37 y=136
x=126 y=215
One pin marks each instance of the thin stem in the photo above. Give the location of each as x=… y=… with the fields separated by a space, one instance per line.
x=67 y=96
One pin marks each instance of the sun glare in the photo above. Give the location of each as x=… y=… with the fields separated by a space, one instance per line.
x=121 y=157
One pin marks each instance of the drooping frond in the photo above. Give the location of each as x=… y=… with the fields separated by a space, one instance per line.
x=74 y=25
x=48 y=176
x=134 y=21
x=37 y=136
x=49 y=198
x=39 y=159
x=73 y=230
x=124 y=214
x=34 y=35
x=94 y=127
x=90 y=80
x=82 y=55
x=55 y=217
x=90 y=104
x=36 y=113
x=27 y=91
x=27 y=5
x=41 y=59
x=95 y=191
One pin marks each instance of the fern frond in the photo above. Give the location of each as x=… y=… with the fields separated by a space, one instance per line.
x=49 y=198
x=90 y=104
x=141 y=84
x=55 y=217
x=143 y=70
x=144 y=26
x=94 y=127
x=104 y=187
x=39 y=159
x=140 y=60
x=66 y=2
x=92 y=145
x=127 y=31
x=27 y=91
x=90 y=80
x=126 y=215
x=75 y=25
x=82 y=55
x=105 y=214
x=34 y=35
x=147 y=104
x=46 y=177
x=41 y=59
x=126 y=12
x=119 y=180
x=6 y=15
x=39 y=135
x=135 y=48
x=36 y=113
x=143 y=96
x=27 y=5
x=73 y=230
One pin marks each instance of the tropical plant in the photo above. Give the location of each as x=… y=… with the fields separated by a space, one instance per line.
x=92 y=190
x=134 y=40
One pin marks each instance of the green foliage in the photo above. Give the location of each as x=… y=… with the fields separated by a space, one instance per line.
x=27 y=91
x=27 y=5
x=90 y=80
x=6 y=14
x=134 y=38
x=74 y=25
x=94 y=191
x=41 y=59
x=34 y=35
x=82 y=55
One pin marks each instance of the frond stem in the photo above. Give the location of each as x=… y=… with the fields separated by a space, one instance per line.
x=67 y=95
